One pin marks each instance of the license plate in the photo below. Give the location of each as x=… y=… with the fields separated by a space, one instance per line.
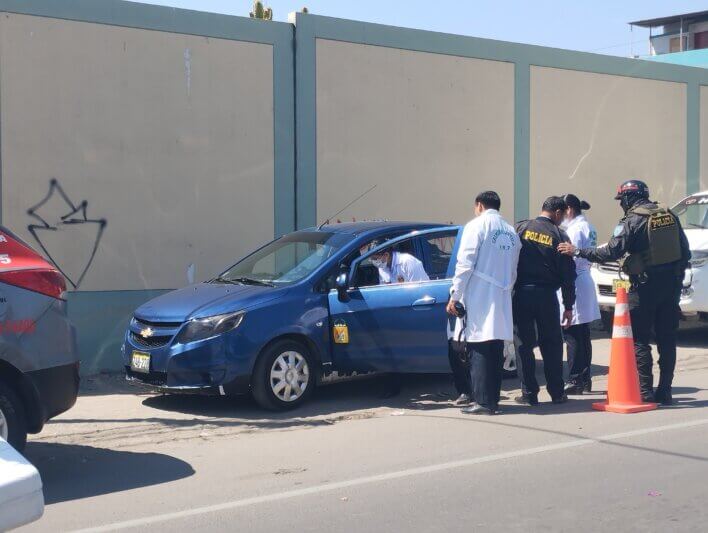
x=617 y=283
x=140 y=362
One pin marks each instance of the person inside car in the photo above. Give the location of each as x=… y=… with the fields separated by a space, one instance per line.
x=398 y=267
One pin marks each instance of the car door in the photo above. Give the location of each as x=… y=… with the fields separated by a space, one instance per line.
x=398 y=327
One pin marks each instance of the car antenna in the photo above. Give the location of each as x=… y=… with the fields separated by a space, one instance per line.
x=326 y=221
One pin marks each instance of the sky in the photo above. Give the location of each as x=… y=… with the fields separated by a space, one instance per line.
x=588 y=25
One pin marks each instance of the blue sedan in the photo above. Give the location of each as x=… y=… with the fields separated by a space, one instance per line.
x=300 y=308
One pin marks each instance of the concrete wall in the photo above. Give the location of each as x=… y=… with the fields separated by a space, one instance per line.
x=154 y=131
x=589 y=132
x=144 y=139
x=429 y=130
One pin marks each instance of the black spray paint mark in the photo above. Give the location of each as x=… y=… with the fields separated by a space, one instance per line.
x=76 y=215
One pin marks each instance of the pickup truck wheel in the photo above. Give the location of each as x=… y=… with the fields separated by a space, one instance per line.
x=13 y=423
x=284 y=376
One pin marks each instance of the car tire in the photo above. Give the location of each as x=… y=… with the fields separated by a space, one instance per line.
x=284 y=376
x=13 y=422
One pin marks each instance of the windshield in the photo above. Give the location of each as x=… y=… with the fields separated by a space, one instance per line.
x=693 y=212
x=286 y=260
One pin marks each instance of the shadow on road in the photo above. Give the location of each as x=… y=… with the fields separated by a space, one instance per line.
x=72 y=472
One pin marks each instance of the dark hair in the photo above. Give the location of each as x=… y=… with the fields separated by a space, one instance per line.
x=575 y=203
x=553 y=204
x=489 y=199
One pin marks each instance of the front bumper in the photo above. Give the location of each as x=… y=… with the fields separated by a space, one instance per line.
x=694 y=296
x=57 y=388
x=202 y=367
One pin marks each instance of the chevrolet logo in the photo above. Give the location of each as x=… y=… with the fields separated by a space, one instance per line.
x=147 y=332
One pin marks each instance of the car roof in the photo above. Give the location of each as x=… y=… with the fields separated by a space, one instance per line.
x=375 y=226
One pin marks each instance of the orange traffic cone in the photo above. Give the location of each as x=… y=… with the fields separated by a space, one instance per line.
x=623 y=394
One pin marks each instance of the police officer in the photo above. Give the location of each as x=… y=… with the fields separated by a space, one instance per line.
x=654 y=251
x=541 y=272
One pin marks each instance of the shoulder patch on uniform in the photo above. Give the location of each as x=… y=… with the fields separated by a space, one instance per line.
x=619 y=229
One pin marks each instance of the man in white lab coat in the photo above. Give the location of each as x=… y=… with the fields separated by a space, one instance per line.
x=398 y=267
x=484 y=277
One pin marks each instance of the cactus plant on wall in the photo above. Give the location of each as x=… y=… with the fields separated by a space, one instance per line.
x=261 y=12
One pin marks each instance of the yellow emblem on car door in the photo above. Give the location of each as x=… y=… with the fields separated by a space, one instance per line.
x=340 y=331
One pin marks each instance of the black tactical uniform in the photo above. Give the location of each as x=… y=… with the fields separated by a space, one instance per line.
x=658 y=255
x=541 y=272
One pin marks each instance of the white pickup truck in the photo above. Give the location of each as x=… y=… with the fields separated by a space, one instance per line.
x=693 y=213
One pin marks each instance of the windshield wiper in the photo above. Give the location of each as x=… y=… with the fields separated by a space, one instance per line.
x=219 y=279
x=251 y=281
x=696 y=225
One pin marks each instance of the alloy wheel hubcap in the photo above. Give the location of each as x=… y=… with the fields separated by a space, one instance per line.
x=4 y=430
x=289 y=376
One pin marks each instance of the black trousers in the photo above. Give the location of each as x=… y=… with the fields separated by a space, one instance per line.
x=577 y=340
x=654 y=305
x=537 y=322
x=486 y=367
x=460 y=366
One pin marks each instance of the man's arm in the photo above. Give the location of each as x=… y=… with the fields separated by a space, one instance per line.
x=414 y=270
x=612 y=251
x=466 y=260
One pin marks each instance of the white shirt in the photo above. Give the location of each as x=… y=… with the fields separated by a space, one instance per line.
x=404 y=268
x=484 y=277
x=583 y=235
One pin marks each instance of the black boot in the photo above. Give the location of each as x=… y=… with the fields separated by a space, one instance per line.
x=663 y=396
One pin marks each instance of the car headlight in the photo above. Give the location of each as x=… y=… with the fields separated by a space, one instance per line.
x=203 y=328
x=699 y=258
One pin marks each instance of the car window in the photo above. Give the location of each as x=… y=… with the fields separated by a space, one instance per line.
x=693 y=212
x=283 y=261
x=437 y=249
x=367 y=275
x=399 y=263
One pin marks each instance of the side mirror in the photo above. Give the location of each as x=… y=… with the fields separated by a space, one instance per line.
x=342 y=284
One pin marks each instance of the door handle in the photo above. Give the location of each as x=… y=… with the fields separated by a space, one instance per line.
x=425 y=300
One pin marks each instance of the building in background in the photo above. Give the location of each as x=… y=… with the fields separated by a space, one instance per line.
x=680 y=39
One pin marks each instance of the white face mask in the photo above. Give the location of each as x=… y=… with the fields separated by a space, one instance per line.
x=379 y=263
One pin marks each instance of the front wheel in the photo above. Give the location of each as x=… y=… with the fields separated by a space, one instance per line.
x=13 y=424
x=284 y=376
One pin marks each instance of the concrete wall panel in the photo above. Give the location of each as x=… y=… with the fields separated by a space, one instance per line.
x=167 y=137
x=429 y=130
x=589 y=132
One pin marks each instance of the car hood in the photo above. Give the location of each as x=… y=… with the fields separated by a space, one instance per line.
x=697 y=238
x=205 y=299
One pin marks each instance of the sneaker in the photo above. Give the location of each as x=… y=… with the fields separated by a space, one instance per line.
x=663 y=396
x=559 y=400
x=588 y=386
x=527 y=399
x=573 y=388
x=463 y=399
x=476 y=409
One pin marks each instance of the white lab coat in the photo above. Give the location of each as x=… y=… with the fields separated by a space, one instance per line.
x=583 y=235
x=484 y=278
x=403 y=267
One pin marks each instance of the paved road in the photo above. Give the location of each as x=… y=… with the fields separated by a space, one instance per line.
x=352 y=461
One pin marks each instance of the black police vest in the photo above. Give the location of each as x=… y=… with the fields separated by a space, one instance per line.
x=664 y=240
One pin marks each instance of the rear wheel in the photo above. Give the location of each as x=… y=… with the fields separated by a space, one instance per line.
x=284 y=376
x=13 y=423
